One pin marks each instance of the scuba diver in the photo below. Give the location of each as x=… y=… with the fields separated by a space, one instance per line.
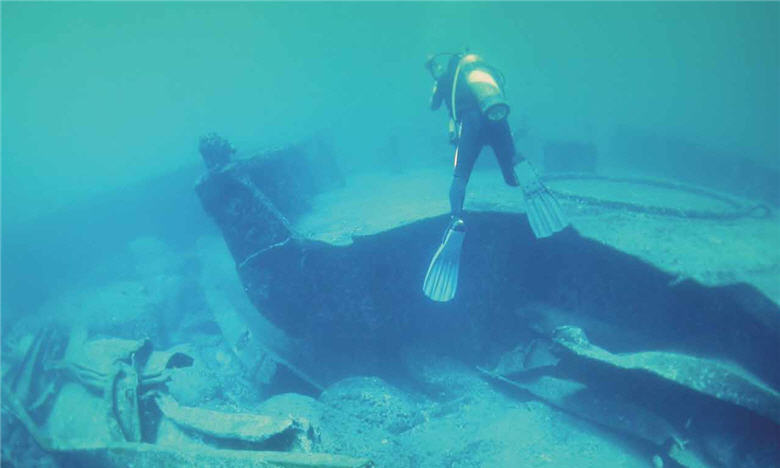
x=473 y=93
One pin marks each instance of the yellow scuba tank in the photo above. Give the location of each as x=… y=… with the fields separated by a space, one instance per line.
x=483 y=84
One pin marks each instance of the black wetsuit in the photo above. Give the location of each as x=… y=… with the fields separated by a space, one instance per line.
x=476 y=131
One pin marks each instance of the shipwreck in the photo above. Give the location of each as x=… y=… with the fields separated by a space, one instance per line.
x=648 y=268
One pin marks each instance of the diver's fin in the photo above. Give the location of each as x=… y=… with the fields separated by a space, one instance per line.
x=544 y=213
x=441 y=281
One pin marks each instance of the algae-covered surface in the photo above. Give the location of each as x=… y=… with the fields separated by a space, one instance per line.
x=720 y=251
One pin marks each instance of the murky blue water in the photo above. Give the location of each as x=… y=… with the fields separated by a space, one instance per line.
x=103 y=105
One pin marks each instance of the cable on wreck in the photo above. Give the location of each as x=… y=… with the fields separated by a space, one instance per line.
x=739 y=208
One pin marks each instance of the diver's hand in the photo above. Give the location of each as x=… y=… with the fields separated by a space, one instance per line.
x=436 y=97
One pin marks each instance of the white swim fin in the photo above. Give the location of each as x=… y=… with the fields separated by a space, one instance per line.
x=544 y=213
x=441 y=280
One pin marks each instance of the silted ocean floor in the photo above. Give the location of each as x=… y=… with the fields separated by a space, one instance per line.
x=644 y=335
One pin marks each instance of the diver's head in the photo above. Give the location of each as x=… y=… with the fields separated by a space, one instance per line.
x=441 y=64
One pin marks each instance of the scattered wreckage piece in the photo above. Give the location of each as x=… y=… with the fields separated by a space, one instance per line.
x=108 y=378
x=121 y=394
x=723 y=381
x=112 y=402
x=102 y=356
x=535 y=355
x=580 y=400
x=145 y=455
x=606 y=410
x=240 y=429
x=28 y=380
x=117 y=440
x=695 y=411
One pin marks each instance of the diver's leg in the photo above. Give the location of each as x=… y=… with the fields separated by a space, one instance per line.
x=466 y=154
x=441 y=279
x=457 y=195
x=500 y=139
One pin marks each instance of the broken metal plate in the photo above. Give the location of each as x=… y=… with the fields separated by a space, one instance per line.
x=535 y=355
x=724 y=381
x=576 y=398
x=236 y=426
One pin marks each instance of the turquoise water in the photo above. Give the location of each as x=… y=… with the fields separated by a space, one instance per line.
x=103 y=236
x=97 y=96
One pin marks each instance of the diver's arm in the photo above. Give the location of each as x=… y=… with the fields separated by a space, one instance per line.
x=436 y=96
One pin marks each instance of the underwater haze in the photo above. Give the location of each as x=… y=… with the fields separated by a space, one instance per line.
x=101 y=95
x=293 y=302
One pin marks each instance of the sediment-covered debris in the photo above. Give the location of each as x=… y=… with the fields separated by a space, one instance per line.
x=100 y=412
x=599 y=407
x=241 y=429
x=30 y=377
x=677 y=403
x=724 y=381
x=110 y=378
x=478 y=424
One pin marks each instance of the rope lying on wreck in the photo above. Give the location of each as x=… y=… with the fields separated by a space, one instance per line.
x=739 y=208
